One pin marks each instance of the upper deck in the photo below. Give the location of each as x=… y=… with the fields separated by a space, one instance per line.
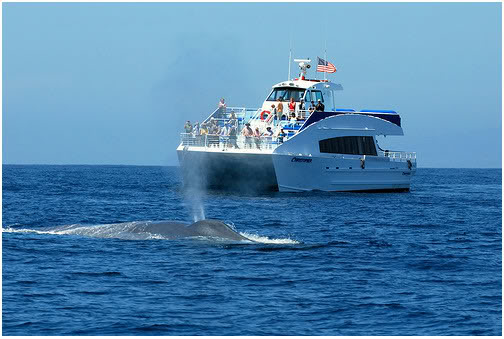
x=290 y=108
x=219 y=142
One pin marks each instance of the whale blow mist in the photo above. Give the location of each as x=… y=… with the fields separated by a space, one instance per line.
x=194 y=190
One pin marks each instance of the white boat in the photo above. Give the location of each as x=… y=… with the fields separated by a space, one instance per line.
x=330 y=149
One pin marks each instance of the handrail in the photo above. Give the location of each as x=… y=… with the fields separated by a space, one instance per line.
x=264 y=143
x=228 y=142
x=398 y=155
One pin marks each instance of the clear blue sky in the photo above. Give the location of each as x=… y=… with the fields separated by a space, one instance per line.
x=113 y=83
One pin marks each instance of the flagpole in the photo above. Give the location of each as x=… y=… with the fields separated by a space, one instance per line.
x=290 y=55
x=327 y=64
x=325 y=49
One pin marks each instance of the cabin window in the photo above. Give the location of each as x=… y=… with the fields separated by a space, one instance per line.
x=316 y=95
x=286 y=94
x=308 y=96
x=348 y=145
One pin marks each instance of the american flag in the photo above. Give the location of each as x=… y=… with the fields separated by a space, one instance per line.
x=325 y=66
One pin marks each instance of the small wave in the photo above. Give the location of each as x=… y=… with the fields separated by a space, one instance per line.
x=97 y=274
x=267 y=240
x=93 y=292
x=290 y=248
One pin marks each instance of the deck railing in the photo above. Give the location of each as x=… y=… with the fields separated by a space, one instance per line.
x=399 y=156
x=221 y=142
x=241 y=113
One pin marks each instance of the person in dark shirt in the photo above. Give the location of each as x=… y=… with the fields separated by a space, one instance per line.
x=311 y=109
x=232 y=135
x=320 y=106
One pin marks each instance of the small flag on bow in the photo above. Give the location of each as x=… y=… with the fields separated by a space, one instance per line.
x=325 y=66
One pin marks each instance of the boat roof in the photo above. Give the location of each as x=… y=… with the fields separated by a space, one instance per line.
x=310 y=83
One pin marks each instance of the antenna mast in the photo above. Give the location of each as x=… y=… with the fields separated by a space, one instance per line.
x=325 y=52
x=290 y=53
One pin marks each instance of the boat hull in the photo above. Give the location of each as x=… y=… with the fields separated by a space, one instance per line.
x=252 y=172
x=245 y=172
x=341 y=174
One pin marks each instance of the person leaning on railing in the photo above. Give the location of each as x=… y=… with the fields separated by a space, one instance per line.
x=267 y=136
x=268 y=132
x=311 y=109
x=280 y=135
x=203 y=129
x=320 y=106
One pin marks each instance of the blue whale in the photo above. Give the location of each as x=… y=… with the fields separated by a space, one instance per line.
x=203 y=228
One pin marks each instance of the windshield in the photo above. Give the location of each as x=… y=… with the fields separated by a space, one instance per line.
x=286 y=94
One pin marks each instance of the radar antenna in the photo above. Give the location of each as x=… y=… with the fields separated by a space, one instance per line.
x=304 y=64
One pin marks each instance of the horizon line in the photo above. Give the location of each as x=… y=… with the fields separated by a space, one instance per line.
x=179 y=166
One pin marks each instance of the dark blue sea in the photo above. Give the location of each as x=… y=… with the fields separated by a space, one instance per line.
x=427 y=262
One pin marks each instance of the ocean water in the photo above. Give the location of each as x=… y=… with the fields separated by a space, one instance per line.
x=427 y=262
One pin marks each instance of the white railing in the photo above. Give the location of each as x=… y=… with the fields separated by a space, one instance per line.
x=220 y=142
x=398 y=156
x=240 y=112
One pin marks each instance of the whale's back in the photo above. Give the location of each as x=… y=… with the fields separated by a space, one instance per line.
x=215 y=228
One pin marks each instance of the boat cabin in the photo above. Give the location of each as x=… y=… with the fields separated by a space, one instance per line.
x=306 y=89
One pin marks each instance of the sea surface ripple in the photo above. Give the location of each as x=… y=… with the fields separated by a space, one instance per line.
x=427 y=262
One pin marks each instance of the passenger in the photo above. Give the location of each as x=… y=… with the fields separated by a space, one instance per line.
x=293 y=119
x=224 y=134
x=257 y=137
x=320 y=106
x=272 y=114
x=203 y=129
x=301 y=109
x=301 y=106
x=224 y=131
x=248 y=133
x=222 y=106
x=232 y=136
x=188 y=127
x=196 y=129
x=267 y=137
x=268 y=132
x=280 y=135
x=279 y=111
x=213 y=128
x=292 y=106
x=232 y=119
x=280 y=108
x=213 y=133
x=311 y=109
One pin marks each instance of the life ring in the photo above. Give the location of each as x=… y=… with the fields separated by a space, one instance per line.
x=264 y=112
